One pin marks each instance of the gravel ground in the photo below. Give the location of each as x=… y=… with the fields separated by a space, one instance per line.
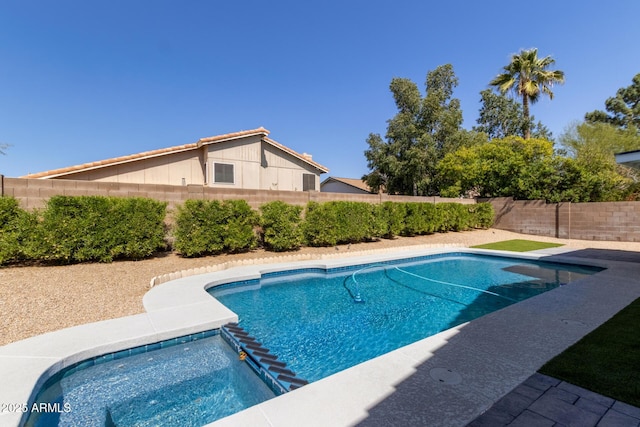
x=37 y=299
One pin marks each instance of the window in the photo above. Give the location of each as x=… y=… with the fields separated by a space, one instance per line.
x=223 y=173
x=308 y=182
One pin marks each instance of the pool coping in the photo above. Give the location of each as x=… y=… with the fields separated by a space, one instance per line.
x=487 y=357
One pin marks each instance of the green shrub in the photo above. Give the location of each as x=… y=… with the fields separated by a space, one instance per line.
x=389 y=219
x=96 y=228
x=206 y=227
x=138 y=225
x=482 y=215
x=281 y=229
x=419 y=218
x=330 y=223
x=240 y=221
x=355 y=221
x=17 y=230
x=319 y=226
x=454 y=216
x=199 y=228
x=9 y=209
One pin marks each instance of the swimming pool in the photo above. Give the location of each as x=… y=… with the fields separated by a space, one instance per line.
x=187 y=382
x=321 y=322
x=320 y=344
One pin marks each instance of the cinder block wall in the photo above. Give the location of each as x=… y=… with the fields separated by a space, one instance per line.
x=34 y=193
x=613 y=221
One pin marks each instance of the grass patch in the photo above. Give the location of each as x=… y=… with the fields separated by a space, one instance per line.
x=605 y=361
x=518 y=245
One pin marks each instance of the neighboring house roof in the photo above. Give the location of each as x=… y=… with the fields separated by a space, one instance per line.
x=352 y=182
x=629 y=158
x=177 y=149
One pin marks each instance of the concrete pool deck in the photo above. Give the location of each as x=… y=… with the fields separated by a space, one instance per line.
x=449 y=379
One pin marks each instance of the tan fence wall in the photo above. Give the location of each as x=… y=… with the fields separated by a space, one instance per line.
x=613 y=221
x=33 y=193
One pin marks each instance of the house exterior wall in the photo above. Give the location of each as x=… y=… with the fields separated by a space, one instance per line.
x=258 y=166
x=164 y=170
x=340 y=187
x=281 y=171
x=243 y=154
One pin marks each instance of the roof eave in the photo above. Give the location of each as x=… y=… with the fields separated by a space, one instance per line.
x=295 y=154
x=87 y=167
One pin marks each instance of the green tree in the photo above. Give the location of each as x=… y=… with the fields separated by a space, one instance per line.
x=587 y=140
x=418 y=136
x=528 y=77
x=624 y=108
x=527 y=170
x=502 y=167
x=501 y=116
x=594 y=145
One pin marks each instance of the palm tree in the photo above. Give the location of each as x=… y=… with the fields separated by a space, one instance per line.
x=527 y=76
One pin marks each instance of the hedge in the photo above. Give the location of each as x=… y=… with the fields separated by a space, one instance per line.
x=17 y=230
x=93 y=228
x=390 y=219
x=281 y=229
x=209 y=227
x=96 y=228
x=332 y=223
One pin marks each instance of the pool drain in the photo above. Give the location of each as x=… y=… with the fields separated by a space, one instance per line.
x=445 y=376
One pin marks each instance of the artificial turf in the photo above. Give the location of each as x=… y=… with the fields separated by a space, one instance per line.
x=518 y=245
x=606 y=361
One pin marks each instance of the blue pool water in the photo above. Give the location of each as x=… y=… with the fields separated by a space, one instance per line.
x=315 y=323
x=189 y=384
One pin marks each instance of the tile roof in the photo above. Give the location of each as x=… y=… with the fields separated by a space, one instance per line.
x=353 y=182
x=175 y=149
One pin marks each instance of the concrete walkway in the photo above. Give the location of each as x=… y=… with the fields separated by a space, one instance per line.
x=546 y=402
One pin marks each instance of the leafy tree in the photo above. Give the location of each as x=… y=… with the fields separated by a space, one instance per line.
x=624 y=108
x=418 y=136
x=587 y=140
x=527 y=170
x=593 y=146
x=501 y=167
x=528 y=77
x=501 y=116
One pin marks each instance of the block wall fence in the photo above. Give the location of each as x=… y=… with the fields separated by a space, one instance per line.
x=34 y=193
x=613 y=221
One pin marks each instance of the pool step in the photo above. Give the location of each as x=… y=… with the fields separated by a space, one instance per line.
x=274 y=372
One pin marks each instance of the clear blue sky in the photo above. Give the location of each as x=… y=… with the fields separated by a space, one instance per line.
x=82 y=81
